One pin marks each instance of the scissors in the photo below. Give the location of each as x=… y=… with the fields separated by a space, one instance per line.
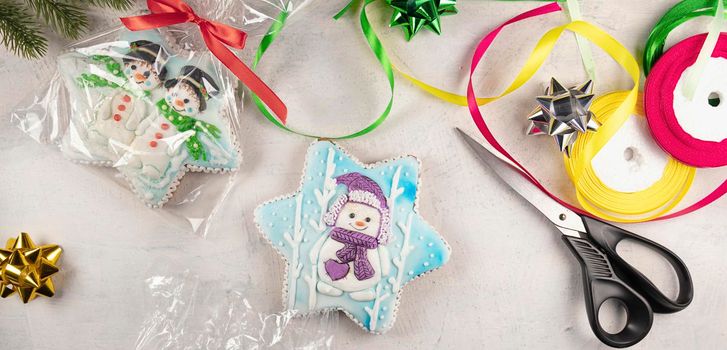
x=605 y=274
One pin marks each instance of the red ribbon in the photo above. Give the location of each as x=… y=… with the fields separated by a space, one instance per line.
x=217 y=37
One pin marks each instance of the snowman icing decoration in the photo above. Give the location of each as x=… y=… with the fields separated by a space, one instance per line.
x=351 y=236
x=156 y=146
x=149 y=112
x=188 y=94
x=160 y=139
x=144 y=65
x=119 y=114
x=352 y=259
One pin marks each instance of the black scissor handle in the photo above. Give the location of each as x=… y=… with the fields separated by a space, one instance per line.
x=607 y=237
x=600 y=283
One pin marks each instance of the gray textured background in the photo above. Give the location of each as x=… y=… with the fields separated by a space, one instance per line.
x=510 y=283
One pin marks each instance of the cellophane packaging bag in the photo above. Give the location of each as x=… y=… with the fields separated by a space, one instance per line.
x=153 y=110
x=188 y=310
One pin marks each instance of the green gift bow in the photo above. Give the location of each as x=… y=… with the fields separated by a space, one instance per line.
x=412 y=15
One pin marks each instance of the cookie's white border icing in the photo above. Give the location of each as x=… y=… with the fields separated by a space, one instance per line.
x=370 y=166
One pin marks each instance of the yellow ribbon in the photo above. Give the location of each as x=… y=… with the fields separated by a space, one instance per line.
x=599 y=199
x=542 y=50
x=442 y=94
x=612 y=111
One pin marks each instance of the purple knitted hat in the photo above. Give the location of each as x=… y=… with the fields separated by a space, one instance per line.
x=361 y=189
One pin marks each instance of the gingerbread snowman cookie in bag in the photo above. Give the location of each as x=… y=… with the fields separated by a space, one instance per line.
x=149 y=112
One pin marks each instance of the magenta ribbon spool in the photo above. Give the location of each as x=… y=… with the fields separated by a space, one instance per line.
x=659 y=105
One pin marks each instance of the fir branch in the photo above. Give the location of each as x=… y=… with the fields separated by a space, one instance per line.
x=67 y=19
x=19 y=32
x=114 y=4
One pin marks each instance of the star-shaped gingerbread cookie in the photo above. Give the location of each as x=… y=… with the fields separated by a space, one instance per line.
x=352 y=236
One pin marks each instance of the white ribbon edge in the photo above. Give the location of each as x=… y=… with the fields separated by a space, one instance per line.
x=574 y=12
x=710 y=43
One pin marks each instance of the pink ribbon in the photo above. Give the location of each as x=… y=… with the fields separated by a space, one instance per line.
x=480 y=51
x=479 y=121
x=658 y=105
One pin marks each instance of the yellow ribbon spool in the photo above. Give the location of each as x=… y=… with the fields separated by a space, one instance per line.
x=605 y=202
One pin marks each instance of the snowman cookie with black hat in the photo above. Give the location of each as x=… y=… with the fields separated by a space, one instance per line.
x=144 y=65
x=119 y=114
x=161 y=139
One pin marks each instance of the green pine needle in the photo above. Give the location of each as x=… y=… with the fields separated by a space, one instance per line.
x=114 y=4
x=67 y=19
x=19 y=32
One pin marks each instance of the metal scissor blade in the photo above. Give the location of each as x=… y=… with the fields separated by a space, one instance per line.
x=558 y=214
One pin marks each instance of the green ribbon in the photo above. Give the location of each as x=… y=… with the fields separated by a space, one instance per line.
x=443 y=8
x=373 y=42
x=185 y=123
x=677 y=15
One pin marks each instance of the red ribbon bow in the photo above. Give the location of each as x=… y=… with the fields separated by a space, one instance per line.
x=217 y=37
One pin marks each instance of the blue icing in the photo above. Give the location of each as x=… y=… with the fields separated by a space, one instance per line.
x=221 y=153
x=151 y=35
x=409 y=190
x=277 y=219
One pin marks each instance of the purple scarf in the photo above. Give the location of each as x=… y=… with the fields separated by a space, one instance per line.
x=355 y=246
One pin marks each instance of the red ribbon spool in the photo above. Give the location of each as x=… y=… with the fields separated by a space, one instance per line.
x=659 y=105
